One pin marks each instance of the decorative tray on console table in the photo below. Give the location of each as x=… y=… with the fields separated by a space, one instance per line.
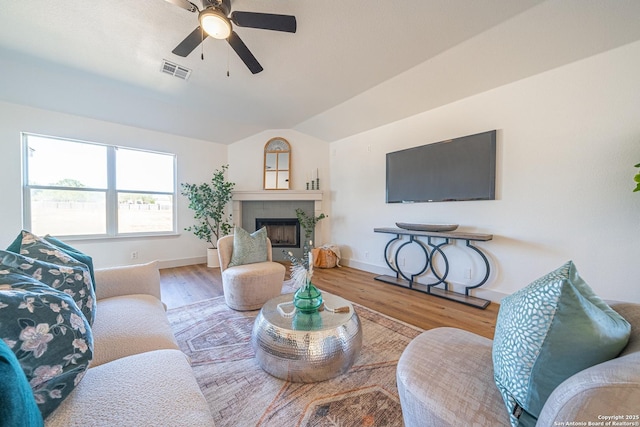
x=427 y=227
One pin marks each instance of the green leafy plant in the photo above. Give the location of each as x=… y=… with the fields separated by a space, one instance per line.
x=208 y=202
x=637 y=179
x=308 y=223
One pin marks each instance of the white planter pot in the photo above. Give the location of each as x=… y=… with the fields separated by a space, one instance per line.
x=212 y=258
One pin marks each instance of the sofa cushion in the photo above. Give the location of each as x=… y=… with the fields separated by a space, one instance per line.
x=128 y=280
x=18 y=407
x=49 y=335
x=249 y=248
x=70 y=279
x=130 y=324
x=151 y=389
x=547 y=332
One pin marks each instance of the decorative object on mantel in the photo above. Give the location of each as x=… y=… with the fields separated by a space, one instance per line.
x=427 y=227
x=277 y=164
x=208 y=202
x=636 y=179
x=308 y=223
x=315 y=182
x=430 y=249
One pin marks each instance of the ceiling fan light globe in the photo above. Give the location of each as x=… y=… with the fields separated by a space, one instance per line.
x=215 y=24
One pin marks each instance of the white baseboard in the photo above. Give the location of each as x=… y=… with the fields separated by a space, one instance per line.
x=170 y=263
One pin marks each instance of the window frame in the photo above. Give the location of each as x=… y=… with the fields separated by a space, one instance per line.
x=111 y=192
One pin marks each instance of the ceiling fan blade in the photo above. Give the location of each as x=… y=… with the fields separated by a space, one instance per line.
x=244 y=53
x=265 y=21
x=192 y=41
x=185 y=4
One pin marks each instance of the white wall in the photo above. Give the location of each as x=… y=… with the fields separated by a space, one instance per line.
x=567 y=143
x=246 y=160
x=196 y=161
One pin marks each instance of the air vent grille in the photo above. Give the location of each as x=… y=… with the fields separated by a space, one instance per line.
x=175 y=70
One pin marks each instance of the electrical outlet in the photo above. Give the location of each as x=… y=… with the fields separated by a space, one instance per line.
x=134 y=255
x=467 y=273
x=366 y=255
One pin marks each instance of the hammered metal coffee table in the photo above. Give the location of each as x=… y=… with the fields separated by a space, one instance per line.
x=307 y=348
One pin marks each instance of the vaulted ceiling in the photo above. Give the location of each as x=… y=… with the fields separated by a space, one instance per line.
x=351 y=66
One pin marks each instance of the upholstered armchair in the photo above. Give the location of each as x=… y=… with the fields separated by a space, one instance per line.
x=249 y=286
x=446 y=378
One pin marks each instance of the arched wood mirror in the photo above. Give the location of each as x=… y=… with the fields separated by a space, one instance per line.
x=277 y=164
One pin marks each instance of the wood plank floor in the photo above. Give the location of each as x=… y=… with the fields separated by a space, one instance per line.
x=185 y=285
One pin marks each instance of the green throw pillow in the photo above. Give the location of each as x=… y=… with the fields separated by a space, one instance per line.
x=547 y=332
x=71 y=279
x=18 y=407
x=48 y=334
x=248 y=248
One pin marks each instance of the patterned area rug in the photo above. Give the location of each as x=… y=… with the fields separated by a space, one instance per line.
x=241 y=394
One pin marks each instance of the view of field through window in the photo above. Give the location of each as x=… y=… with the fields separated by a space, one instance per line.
x=68 y=188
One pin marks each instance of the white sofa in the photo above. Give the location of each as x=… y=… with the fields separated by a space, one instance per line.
x=138 y=376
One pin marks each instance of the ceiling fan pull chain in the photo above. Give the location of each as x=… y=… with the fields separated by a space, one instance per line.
x=228 y=60
x=202 y=44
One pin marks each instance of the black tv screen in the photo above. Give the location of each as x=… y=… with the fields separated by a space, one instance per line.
x=458 y=169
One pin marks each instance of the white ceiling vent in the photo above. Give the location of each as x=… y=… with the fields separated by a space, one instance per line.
x=175 y=70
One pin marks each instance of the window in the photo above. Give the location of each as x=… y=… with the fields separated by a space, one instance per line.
x=75 y=188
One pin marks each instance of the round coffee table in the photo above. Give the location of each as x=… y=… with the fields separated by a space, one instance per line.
x=307 y=347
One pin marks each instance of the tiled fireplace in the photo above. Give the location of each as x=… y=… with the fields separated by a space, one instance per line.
x=283 y=232
x=276 y=210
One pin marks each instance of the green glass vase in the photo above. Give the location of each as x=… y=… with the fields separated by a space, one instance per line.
x=307 y=299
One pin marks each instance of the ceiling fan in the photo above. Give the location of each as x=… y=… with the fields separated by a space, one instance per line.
x=216 y=21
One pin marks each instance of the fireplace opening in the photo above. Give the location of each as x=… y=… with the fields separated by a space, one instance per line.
x=283 y=232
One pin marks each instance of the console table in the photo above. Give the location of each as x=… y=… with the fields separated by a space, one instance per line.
x=434 y=243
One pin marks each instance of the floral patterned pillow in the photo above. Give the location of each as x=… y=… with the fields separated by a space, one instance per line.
x=69 y=250
x=49 y=335
x=71 y=279
x=38 y=248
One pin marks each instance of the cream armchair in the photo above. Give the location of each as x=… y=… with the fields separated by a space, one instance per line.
x=445 y=378
x=249 y=286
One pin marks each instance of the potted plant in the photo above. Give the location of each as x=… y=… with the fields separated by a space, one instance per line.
x=636 y=179
x=209 y=201
x=308 y=223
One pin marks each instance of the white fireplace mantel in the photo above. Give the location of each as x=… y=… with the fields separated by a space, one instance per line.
x=274 y=195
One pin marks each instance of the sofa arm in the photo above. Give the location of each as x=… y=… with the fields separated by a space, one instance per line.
x=610 y=388
x=607 y=389
x=128 y=280
x=445 y=378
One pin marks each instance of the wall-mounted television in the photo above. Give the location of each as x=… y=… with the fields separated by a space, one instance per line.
x=457 y=169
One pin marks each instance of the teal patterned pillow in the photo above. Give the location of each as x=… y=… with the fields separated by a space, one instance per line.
x=49 y=335
x=74 y=253
x=38 y=248
x=248 y=248
x=70 y=279
x=545 y=333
